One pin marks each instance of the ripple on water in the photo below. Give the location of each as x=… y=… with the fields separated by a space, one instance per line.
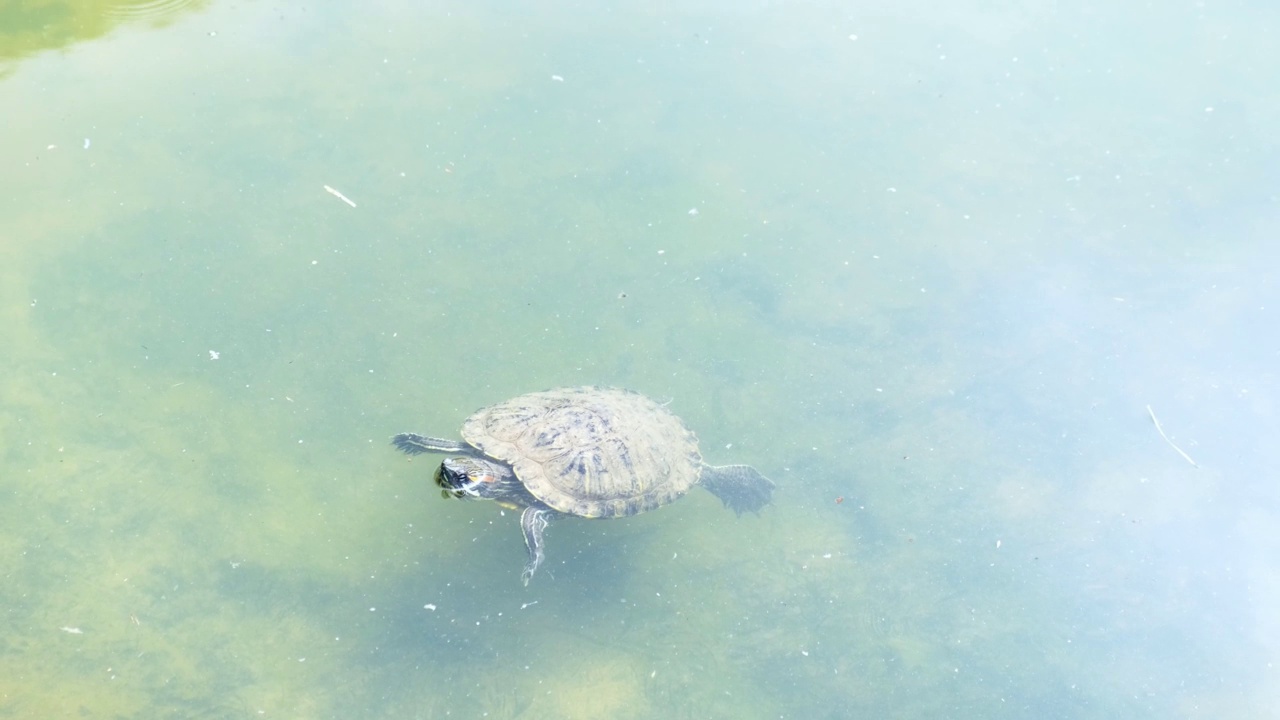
x=151 y=9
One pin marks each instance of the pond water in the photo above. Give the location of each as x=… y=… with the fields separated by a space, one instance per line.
x=988 y=291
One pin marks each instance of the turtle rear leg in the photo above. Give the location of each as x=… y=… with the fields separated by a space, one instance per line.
x=740 y=487
x=533 y=521
x=415 y=444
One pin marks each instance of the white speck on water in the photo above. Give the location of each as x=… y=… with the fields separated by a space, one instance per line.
x=86 y=143
x=693 y=211
x=72 y=630
x=557 y=78
x=214 y=354
x=430 y=606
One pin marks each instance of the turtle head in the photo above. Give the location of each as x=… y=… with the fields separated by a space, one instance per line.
x=472 y=478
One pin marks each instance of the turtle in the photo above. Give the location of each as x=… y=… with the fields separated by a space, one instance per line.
x=589 y=452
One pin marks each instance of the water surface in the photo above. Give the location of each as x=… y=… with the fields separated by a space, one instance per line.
x=934 y=272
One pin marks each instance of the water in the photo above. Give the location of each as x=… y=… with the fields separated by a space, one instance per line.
x=941 y=264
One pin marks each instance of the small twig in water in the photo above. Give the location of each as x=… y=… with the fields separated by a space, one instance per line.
x=1160 y=430
x=339 y=195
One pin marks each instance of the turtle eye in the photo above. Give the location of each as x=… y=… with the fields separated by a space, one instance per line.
x=449 y=479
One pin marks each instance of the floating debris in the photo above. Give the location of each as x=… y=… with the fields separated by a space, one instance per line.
x=339 y=195
x=1166 y=438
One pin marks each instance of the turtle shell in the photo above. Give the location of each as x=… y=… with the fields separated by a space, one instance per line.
x=590 y=451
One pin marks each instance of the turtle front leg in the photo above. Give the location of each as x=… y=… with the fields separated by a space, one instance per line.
x=532 y=522
x=415 y=444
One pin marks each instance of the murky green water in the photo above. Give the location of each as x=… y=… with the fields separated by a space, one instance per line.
x=933 y=271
